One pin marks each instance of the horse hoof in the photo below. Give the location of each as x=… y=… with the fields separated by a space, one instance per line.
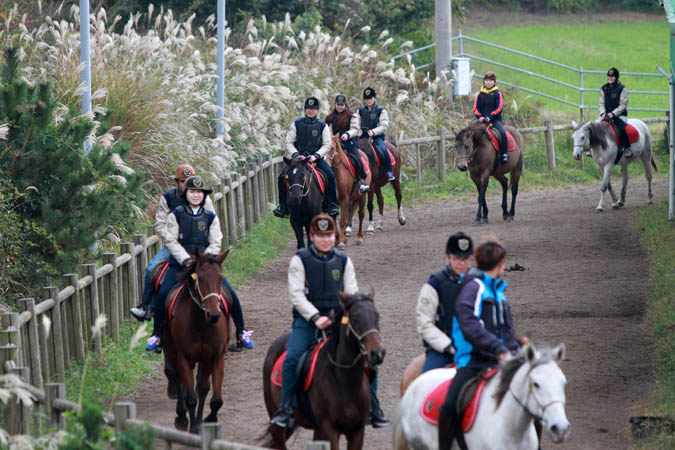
x=181 y=423
x=370 y=229
x=401 y=220
x=620 y=204
x=617 y=206
x=359 y=242
x=509 y=219
x=599 y=210
x=348 y=231
x=341 y=247
x=195 y=429
x=476 y=223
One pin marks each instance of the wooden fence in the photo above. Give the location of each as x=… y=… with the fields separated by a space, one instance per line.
x=443 y=138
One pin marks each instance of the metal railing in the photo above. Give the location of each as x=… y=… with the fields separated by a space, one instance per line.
x=461 y=39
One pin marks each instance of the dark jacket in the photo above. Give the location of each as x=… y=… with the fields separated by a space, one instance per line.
x=489 y=103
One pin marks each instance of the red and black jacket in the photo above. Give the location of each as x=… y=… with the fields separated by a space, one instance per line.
x=489 y=103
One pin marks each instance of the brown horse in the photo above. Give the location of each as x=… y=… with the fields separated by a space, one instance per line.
x=378 y=180
x=476 y=153
x=348 y=191
x=339 y=395
x=197 y=333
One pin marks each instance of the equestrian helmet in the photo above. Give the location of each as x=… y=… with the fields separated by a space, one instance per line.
x=459 y=244
x=613 y=72
x=490 y=76
x=323 y=224
x=183 y=172
x=341 y=99
x=197 y=183
x=312 y=103
x=369 y=93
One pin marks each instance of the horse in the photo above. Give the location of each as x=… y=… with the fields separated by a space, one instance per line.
x=304 y=196
x=378 y=180
x=527 y=387
x=476 y=154
x=348 y=191
x=197 y=333
x=339 y=395
x=599 y=138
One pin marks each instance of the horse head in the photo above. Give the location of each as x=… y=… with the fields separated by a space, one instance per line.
x=296 y=178
x=363 y=322
x=205 y=286
x=334 y=156
x=538 y=386
x=465 y=147
x=581 y=137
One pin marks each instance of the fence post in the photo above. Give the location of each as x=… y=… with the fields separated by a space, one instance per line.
x=269 y=179
x=142 y=263
x=581 y=94
x=418 y=158
x=28 y=304
x=10 y=323
x=55 y=419
x=231 y=207
x=90 y=269
x=111 y=258
x=123 y=411
x=550 y=145
x=78 y=316
x=441 y=155
x=60 y=348
x=254 y=189
x=318 y=445
x=221 y=212
x=246 y=196
x=262 y=187
x=239 y=198
x=19 y=414
x=129 y=277
x=209 y=433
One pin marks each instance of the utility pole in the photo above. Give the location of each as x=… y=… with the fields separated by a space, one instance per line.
x=220 y=90
x=669 y=5
x=443 y=35
x=85 y=59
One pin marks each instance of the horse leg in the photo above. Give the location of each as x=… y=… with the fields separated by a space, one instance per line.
x=646 y=157
x=355 y=440
x=505 y=188
x=362 y=213
x=203 y=376
x=379 y=224
x=397 y=193
x=476 y=222
x=327 y=433
x=515 y=178
x=485 y=180
x=344 y=208
x=371 y=228
x=603 y=187
x=187 y=377
x=624 y=185
x=298 y=229
x=181 y=421
x=217 y=385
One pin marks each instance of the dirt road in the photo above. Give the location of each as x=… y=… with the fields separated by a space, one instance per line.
x=585 y=284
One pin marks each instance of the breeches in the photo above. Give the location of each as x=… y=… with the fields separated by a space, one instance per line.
x=162 y=255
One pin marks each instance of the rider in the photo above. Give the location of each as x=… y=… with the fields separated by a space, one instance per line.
x=191 y=228
x=483 y=331
x=309 y=137
x=488 y=108
x=345 y=122
x=436 y=303
x=314 y=296
x=374 y=121
x=167 y=203
x=613 y=104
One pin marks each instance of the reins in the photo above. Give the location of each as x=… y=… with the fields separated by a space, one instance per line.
x=359 y=337
x=304 y=182
x=203 y=298
x=531 y=392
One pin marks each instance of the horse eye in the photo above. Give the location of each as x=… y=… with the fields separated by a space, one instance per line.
x=536 y=385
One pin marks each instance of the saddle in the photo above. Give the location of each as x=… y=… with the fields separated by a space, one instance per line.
x=352 y=162
x=467 y=405
x=305 y=369
x=631 y=131
x=495 y=137
x=374 y=156
x=157 y=275
x=171 y=302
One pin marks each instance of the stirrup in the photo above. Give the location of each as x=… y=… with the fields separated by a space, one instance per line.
x=391 y=176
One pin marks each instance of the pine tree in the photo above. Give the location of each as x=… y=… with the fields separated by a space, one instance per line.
x=76 y=199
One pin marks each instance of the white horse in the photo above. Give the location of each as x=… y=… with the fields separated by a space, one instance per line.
x=527 y=387
x=599 y=138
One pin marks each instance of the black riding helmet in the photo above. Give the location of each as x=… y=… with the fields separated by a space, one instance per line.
x=312 y=102
x=459 y=244
x=613 y=72
x=369 y=93
x=196 y=183
x=341 y=99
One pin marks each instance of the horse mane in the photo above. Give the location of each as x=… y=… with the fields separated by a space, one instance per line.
x=598 y=135
x=509 y=369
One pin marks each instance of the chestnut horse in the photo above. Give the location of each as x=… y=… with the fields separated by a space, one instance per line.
x=339 y=395
x=197 y=333
x=348 y=190
x=476 y=153
x=378 y=180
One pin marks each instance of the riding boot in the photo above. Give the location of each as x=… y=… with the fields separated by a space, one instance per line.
x=376 y=417
x=283 y=417
x=281 y=210
x=446 y=431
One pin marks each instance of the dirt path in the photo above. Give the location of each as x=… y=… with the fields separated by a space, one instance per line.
x=585 y=284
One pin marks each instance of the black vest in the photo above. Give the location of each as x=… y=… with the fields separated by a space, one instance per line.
x=173 y=198
x=448 y=286
x=370 y=118
x=194 y=229
x=308 y=135
x=613 y=97
x=323 y=278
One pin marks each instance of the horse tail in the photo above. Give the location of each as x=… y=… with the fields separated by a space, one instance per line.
x=656 y=168
x=399 y=440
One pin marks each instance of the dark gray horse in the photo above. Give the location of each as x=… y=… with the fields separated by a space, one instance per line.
x=304 y=196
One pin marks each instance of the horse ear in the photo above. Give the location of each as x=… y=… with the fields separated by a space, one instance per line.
x=371 y=294
x=574 y=125
x=559 y=352
x=531 y=352
x=199 y=255
x=344 y=300
x=287 y=160
x=222 y=256
x=456 y=132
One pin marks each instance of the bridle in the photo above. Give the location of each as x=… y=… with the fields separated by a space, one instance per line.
x=539 y=404
x=202 y=297
x=350 y=329
x=304 y=182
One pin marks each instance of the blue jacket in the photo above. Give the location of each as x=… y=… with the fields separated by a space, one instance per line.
x=482 y=326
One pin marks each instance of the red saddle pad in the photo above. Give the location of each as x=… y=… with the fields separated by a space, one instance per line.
x=377 y=157
x=495 y=142
x=352 y=170
x=319 y=178
x=430 y=407
x=633 y=134
x=276 y=370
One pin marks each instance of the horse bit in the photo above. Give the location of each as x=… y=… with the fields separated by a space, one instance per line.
x=363 y=353
x=527 y=410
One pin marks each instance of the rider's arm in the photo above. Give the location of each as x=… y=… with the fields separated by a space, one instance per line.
x=477 y=106
x=623 y=103
x=296 y=289
x=354 y=125
x=325 y=142
x=349 y=285
x=500 y=106
x=290 y=141
x=601 y=103
x=215 y=237
x=172 y=234
x=472 y=328
x=425 y=315
x=509 y=331
x=382 y=124
x=161 y=217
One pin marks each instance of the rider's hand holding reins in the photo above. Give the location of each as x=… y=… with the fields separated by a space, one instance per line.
x=322 y=322
x=344 y=136
x=188 y=263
